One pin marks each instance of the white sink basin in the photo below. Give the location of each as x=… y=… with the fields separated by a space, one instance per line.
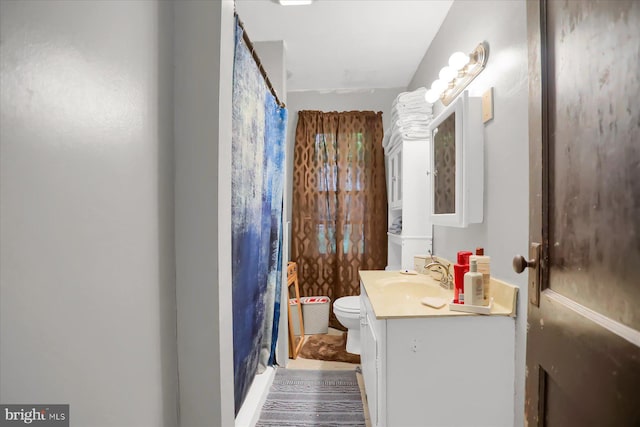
x=409 y=289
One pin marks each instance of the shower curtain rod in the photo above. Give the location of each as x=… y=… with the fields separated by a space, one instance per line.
x=256 y=58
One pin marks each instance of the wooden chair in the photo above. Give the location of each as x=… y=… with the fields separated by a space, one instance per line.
x=295 y=343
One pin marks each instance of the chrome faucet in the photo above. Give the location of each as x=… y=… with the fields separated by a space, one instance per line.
x=446 y=279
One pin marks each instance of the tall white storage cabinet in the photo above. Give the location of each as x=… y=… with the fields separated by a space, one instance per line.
x=407 y=162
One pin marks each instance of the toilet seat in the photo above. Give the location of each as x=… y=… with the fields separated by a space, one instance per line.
x=348 y=304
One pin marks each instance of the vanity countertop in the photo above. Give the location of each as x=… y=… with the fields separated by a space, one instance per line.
x=394 y=295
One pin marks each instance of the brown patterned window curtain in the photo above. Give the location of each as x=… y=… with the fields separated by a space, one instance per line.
x=339 y=218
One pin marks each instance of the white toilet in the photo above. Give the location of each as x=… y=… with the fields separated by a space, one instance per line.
x=347 y=310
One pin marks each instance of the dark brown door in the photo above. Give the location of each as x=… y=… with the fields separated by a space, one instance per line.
x=583 y=354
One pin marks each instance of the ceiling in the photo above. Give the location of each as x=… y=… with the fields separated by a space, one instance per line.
x=347 y=44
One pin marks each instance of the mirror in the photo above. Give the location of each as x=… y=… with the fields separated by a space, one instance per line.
x=457 y=163
x=444 y=173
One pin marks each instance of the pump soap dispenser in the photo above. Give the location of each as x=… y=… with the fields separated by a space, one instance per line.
x=473 y=289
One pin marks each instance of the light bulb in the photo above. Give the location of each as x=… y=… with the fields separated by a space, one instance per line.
x=431 y=96
x=295 y=2
x=447 y=74
x=458 y=60
x=438 y=86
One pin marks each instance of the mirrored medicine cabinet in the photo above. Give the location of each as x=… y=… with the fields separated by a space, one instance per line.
x=456 y=172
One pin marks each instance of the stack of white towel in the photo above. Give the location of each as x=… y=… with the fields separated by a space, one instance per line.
x=410 y=116
x=396 y=226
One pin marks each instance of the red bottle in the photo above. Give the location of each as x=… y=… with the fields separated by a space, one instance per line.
x=461 y=267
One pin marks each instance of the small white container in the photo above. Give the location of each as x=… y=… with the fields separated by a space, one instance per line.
x=419 y=262
x=473 y=286
x=484 y=268
x=315 y=312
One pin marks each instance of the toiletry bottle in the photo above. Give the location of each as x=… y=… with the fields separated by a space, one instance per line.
x=473 y=292
x=461 y=267
x=484 y=268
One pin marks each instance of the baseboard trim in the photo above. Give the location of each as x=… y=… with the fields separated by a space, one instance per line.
x=250 y=410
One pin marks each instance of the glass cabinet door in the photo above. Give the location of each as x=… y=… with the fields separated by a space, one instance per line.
x=395 y=187
x=444 y=171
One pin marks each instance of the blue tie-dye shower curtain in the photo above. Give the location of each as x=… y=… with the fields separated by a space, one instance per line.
x=259 y=125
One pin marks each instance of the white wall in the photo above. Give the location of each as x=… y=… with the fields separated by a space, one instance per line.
x=273 y=58
x=204 y=40
x=338 y=100
x=87 y=291
x=505 y=230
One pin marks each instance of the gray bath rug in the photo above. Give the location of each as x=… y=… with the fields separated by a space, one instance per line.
x=301 y=398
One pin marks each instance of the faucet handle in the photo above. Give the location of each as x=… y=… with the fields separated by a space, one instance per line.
x=447 y=279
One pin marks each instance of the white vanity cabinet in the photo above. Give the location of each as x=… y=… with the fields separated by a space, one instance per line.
x=371 y=351
x=437 y=371
x=407 y=162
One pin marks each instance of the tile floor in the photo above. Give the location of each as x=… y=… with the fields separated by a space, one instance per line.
x=302 y=363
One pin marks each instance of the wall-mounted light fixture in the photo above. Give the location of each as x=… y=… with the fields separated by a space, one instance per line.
x=295 y=2
x=453 y=78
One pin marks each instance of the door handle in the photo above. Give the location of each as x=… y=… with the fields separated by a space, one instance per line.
x=520 y=264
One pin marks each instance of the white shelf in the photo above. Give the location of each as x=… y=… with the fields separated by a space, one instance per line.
x=400 y=237
x=394 y=238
